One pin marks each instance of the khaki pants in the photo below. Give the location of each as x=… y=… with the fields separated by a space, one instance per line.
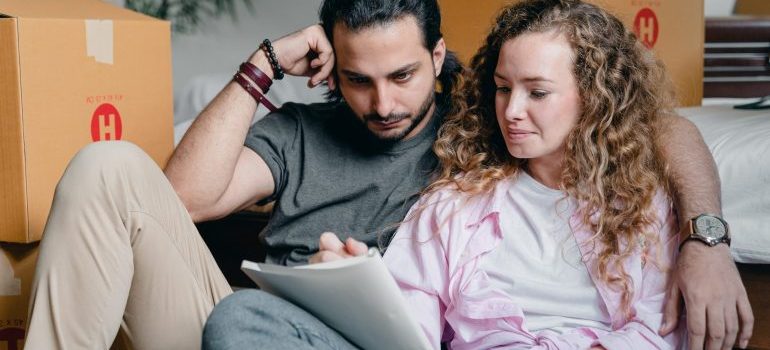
x=120 y=251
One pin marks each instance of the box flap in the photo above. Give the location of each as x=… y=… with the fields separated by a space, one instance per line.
x=13 y=185
x=69 y=9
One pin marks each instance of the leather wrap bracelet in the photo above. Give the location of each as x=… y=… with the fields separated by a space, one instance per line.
x=258 y=96
x=256 y=75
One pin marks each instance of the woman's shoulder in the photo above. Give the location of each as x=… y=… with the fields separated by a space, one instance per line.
x=449 y=199
x=662 y=200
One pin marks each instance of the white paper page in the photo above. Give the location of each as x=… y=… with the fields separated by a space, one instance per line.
x=358 y=297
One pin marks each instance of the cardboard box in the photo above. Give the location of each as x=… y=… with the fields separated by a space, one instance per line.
x=71 y=73
x=674 y=29
x=752 y=7
x=17 y=266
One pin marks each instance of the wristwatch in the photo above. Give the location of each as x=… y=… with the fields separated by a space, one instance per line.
x=709 y=229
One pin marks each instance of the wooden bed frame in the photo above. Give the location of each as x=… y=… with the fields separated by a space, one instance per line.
x=736 y=57
x=756 y=278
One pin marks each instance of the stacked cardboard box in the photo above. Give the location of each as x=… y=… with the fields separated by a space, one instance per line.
x=673 y=29
x=17 y=264
x=71 y=73
x=752 y=7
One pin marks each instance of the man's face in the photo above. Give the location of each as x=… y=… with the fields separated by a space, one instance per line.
x=387 y=76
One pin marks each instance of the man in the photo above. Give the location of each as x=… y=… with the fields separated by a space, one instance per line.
x=121 y=251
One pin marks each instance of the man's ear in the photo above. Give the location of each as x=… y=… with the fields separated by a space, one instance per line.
x=331 y=80
x=439 y=54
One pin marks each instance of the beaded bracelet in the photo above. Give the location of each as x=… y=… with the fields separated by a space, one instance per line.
x=268 y=48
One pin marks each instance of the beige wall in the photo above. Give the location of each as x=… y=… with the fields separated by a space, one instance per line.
x=679 y=43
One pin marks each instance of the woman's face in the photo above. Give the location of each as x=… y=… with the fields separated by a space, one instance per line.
x=537 y=100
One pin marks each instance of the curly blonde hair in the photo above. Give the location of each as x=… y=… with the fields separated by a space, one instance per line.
x=612 y=166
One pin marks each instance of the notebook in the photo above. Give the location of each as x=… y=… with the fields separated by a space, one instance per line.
x=357 y=297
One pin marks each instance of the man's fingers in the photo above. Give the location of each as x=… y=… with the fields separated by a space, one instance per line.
x=315 y=258
x=324 y=256
x=671 y=311
x=329 y=241
x=325 y=56
x=331 y=248
x=747 y=322
x=325 y=70
x=731 y=326
x=324 y=62
x=696 y=325
x=355 y=247
x=716 y=328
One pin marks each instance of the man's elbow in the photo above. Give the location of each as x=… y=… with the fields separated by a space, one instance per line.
x=676 y=125
x=188 y=197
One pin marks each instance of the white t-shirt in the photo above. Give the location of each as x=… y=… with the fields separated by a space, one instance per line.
x=538 y=263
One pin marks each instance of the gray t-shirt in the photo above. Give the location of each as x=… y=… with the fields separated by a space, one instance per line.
x=331 y=175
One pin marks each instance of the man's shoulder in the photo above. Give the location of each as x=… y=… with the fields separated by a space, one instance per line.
x=294 y=116
x=321 y=124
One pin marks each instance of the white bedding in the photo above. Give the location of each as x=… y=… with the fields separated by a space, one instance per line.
x=740 y=143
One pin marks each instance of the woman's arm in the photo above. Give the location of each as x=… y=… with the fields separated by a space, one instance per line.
x=416 y=260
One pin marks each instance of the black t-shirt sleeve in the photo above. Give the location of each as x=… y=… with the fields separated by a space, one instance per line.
x=274 y=138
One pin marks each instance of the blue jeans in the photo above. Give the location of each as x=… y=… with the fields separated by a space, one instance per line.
x=253 y=319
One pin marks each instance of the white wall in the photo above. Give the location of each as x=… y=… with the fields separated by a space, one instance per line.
x=718 y=7
x=222 y=44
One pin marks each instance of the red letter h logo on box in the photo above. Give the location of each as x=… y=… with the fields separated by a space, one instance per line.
x=646 y=27
x=12 y=336
x=106 y=124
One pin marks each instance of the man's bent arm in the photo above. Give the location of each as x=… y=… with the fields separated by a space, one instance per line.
x=211 y=170
x=695 y=184
x=203 y=167
x=692 y=171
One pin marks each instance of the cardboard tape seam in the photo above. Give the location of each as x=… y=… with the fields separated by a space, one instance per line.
x=99 y=40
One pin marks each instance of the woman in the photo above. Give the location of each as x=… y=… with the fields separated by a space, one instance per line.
x=550 y=225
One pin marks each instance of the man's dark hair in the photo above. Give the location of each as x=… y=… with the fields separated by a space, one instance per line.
x=362 y=14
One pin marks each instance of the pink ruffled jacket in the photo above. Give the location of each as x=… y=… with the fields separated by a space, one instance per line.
x=435 y=257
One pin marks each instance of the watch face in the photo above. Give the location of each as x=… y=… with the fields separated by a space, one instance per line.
x=710 y=227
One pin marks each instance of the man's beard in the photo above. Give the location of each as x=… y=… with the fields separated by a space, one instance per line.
x=414 y=120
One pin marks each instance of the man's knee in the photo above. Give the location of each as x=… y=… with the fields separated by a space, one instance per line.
x=245 y=305
x=109 y=154
x=240 y=314
x=102 y=161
